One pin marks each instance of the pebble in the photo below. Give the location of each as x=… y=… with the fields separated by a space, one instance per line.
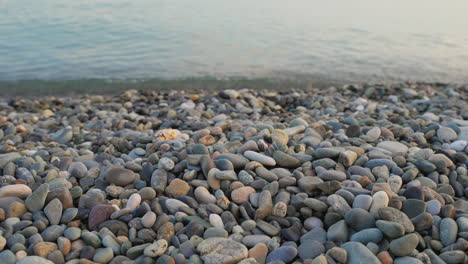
x=310 y=249
x=8 y=257
x=365 y=236
x=359 y=219
x=362 y=201
x=148 y=219
x=338 y=232
x=252 y=240
x=221 y=250
x=166 y=164
x=6 y=158
x=448 y=231
x=16 y=190
x=99 y=214
x=2 y=243
x=404 y=245
x=454 y=256
x=284 y=254
x=204 y=196
x=156 y=249
x=446 y=134
x=36 y=201
x=177 y=187
x=242 y=194
x=259 y=252
x=202 y=177
x=279 y=136
x=53 y=211
x=33 y=260
x=62 y=136
x=407 y=260
x=103 y=255
x=394 y=215
x=332 y=175
x=42 y=249
x=285 y=160
x=216 y=221
x=459 y=145
x=338 y=204
x=262 y=159
x=413 y=207
x=358 y=253
x=120 y=176
x=134 y=201
x=393 y=146
x=390 y=229
x=174 y=205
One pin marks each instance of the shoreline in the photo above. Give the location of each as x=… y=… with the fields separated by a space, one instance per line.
x=196 y=84
x=372 y=173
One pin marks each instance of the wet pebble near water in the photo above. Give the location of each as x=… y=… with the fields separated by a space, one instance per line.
x=344 y=175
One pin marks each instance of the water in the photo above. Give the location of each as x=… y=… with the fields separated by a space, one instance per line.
x=364 y=40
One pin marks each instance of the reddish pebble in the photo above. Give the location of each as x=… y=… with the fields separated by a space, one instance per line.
x=385 y=257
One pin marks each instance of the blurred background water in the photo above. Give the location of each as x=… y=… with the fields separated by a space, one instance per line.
x=361 y=40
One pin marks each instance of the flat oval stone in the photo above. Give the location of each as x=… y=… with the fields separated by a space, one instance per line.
x=286 y=160
x=448 y=231
x=284 y=254
x=332 y=175
x=258 y=157
x=237 y=161
x=120 y=176
x=218 y=250
x=393 y=146
x=252 y=240
x=16 y=190
x=454 y=256
x=51 y=233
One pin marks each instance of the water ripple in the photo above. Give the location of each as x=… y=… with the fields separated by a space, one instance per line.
x=55 y=39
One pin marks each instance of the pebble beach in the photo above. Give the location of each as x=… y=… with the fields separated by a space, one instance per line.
x=359 y=174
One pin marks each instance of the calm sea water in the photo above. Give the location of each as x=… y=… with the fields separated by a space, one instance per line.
x=356 y=40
